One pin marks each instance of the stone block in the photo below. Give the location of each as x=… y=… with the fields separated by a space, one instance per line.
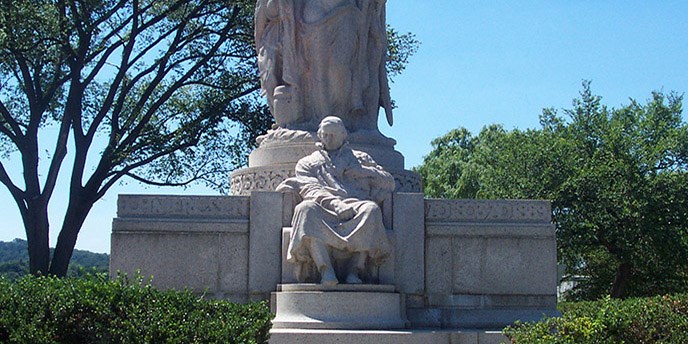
x=438 y=265
x=158 y=255
x=194 y=242
x=516 y=264
x=233 y=264
x=264 y=258
x=409 y=231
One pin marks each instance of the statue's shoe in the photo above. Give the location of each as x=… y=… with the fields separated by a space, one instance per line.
x=353 y=279
x=329 y=279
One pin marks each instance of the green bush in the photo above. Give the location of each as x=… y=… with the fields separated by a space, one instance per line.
x=661 y=319
x=94 y=309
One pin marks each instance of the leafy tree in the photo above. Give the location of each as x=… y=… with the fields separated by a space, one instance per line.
x=160 y=91
x=144 y=89
x=618 y=182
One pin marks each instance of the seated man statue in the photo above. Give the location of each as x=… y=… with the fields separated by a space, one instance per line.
x=338 y=218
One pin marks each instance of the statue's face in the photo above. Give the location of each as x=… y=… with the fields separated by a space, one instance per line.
x=332 y=137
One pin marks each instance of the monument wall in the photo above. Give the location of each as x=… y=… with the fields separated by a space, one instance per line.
x=456 y=263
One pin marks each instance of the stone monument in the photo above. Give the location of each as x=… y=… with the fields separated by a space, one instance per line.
x=326 y=223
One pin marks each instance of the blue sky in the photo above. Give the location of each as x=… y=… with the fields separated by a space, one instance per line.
x=484 y=62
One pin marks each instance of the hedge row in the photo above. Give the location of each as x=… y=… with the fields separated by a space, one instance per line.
x=94 y=309
x=661 y=319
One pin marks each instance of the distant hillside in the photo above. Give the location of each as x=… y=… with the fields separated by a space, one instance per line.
x=14 y=260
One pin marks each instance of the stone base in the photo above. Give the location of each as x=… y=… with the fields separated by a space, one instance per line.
x=360 y=307
x=486 y=319
x=289 y=336
x=266 y=178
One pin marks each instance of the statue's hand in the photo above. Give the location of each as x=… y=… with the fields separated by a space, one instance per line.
x=344 y=211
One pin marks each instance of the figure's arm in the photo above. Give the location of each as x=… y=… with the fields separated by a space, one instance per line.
x=323 y=196
x=313 y=189
x=385 y=97
x=368 y=168
x=261 y=21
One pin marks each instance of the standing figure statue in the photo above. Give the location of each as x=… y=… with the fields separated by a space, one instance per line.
x=323 y=57
x=337 y=227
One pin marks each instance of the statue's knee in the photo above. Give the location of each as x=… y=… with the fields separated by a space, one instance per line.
x=371 y=207
x=306 y=207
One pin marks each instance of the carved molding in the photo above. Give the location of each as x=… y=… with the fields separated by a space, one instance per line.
x=512 y=211
x=161 y=206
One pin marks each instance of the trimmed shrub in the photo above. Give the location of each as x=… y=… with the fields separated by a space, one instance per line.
x=661 y=319
x=94 y=309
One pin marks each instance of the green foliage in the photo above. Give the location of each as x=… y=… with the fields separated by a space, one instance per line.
x=399 y=49
x=96 y=310
x=661 y=319
x=14 y=261
x=617 y=179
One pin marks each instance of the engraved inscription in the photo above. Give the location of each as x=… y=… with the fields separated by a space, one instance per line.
x=519 y=211
x=225 y=207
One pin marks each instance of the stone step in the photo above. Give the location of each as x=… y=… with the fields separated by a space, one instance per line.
x=300 y=336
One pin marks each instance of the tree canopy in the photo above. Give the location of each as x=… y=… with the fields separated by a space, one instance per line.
x=617 y=179
x=160 y=91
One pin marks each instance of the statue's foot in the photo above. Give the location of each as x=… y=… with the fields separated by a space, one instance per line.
x=353 y=279
x=329 y=279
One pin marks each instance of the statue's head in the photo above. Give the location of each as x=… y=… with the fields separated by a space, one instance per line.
x=332 y=133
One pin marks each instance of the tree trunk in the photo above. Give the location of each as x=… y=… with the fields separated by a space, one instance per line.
x=74 y=218
x=621 y=280
x=37 y=227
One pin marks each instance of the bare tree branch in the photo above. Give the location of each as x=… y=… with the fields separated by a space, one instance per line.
x=16 y=133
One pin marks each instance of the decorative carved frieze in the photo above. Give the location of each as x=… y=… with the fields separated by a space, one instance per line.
x=246 y=180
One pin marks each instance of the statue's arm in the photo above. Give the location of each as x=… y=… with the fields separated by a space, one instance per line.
x=368 y=168
x=261 y=22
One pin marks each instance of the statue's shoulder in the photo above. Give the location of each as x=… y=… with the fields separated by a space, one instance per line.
x=363 y=158
x=315 y=158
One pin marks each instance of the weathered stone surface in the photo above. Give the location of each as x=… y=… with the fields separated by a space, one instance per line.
x=158 y=255
x=438 y=265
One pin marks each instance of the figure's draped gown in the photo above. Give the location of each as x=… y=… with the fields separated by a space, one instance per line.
x=336 y=67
